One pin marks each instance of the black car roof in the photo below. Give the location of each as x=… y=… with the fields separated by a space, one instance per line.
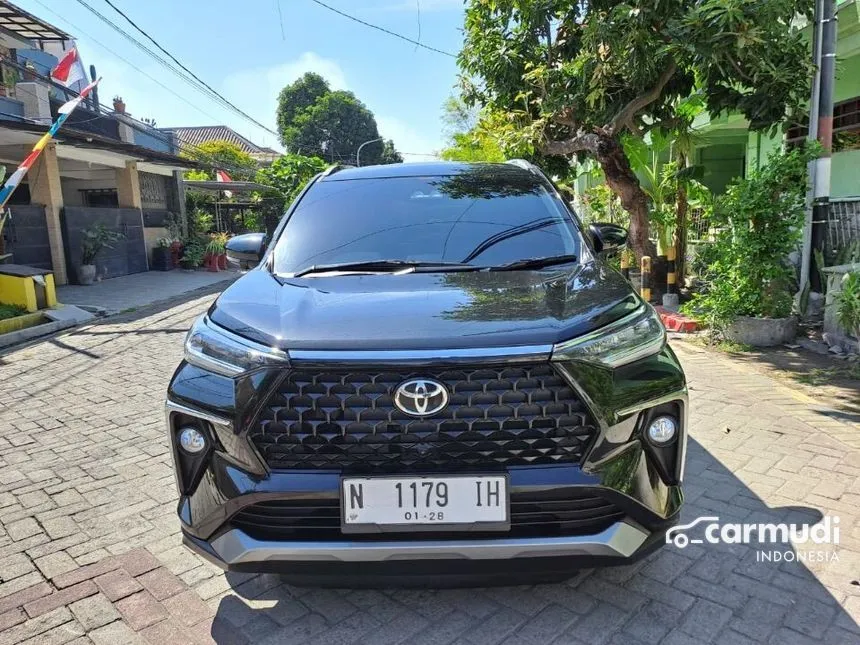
x=425 y=169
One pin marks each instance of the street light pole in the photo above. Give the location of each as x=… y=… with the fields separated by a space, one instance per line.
x=358 y=152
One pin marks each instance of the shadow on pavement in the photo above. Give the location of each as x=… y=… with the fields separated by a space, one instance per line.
x=720 y=593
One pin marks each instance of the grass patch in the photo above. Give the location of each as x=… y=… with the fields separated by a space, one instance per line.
x=727 y=346
x=11 y=311
x=826 y=376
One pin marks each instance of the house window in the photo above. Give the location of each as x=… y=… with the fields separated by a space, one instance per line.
x=846 y=127
x=100 y=198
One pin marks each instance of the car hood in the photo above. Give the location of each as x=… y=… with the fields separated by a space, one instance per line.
x=452 y=310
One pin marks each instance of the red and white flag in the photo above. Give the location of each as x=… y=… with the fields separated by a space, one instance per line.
x=70 y=69
x=221 y=175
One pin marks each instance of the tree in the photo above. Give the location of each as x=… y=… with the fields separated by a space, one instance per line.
x=579 y=75
x=470 y=133
x=221 y=155
x=316 y=121
x=287 y=176
x=389 y=153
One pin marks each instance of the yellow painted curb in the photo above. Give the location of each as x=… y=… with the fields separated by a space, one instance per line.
x=20 y=322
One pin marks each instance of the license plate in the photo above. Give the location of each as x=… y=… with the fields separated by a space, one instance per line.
x=371 y=504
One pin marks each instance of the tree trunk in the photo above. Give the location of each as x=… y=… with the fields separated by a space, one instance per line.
x=681 y=207
x=624 y=183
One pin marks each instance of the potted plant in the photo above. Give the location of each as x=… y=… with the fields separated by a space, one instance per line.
x=848 y=304
x=94 y=240
x=222 y=239
x=749 y=283
x=175 y=251
x=213 y=250
x=162 y=258
x=192 y=254
x=10 y=78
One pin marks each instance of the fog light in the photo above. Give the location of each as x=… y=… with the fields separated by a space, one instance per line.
x=662 y=429
x=192 y=440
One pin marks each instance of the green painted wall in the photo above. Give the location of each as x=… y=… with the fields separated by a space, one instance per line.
x=722 y=163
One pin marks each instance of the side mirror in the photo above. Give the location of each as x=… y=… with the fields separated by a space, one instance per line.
x=246 y=251
x=608 y=238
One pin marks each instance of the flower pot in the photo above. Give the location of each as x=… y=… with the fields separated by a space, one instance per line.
x=162 y=259
x=175 y=252
x=762 y=332
x=86 y=273
x=211 y=263
x=222 y=261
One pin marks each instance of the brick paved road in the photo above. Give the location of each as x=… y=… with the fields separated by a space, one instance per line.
x=89 y=549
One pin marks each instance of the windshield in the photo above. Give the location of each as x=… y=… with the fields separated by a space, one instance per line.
x=477 y=217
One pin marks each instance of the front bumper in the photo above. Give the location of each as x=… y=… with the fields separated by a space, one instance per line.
x=620 y=467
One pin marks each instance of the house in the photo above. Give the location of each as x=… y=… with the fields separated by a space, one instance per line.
x=731 y=150
x=195 y=135
x=103 y=166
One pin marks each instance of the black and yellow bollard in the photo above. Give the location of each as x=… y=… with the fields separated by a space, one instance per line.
x=625 y=265
x=671 y=277
x=670 y=298
x=645 y=290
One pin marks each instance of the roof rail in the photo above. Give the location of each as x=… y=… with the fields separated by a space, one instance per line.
x=335 y=168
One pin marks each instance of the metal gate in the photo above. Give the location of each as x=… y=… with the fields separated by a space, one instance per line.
x=128 y=255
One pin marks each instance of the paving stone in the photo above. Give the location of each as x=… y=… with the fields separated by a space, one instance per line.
x=55 y=564
x=20 y=598
x=23 y=528
x=138 y=561
x=116 y=633
x=117 y=584
x=141 y=610
x=187 y=608
x=161 y=583
x=60 y=598
x=34 y=627
x=168 y=632
x=93 y=612
x=85 y=573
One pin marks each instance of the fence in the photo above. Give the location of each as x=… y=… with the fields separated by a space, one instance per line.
x=842 y=236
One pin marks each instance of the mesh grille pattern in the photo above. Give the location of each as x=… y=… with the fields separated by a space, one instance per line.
x=496 y=417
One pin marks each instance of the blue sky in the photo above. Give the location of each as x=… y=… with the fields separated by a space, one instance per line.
x=238 y=48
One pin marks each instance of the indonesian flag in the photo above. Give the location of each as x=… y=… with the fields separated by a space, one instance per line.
x=221 y=175
x=70 y=69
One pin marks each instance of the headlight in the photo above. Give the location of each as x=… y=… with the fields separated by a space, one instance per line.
x=215 y=349
x=635 y=336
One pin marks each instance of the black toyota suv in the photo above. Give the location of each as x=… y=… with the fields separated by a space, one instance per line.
x=433 y=376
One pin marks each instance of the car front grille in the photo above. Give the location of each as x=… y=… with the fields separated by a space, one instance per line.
x=346 y=420
x=556 y=513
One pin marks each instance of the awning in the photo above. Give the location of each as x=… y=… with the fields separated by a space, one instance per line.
x=28 y=26
x=234 y=186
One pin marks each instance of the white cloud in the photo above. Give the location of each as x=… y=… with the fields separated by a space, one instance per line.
x=407 y=139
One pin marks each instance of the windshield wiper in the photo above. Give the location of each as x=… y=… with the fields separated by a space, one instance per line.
x=386 y=265
x=535 y=263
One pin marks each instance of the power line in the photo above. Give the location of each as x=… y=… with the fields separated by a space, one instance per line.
x=127 y=62
x=194 y=152
x=192 y=74
x=384 y=30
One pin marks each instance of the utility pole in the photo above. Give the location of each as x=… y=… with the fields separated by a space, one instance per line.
x=358 y=152
x=820 y=128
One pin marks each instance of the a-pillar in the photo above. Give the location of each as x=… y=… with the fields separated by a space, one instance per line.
x=128 y=186
x=45 y=189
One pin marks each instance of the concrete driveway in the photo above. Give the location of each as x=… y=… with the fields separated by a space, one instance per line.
x=90 y=552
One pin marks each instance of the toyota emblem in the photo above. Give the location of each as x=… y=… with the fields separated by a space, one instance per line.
x=420 y=397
